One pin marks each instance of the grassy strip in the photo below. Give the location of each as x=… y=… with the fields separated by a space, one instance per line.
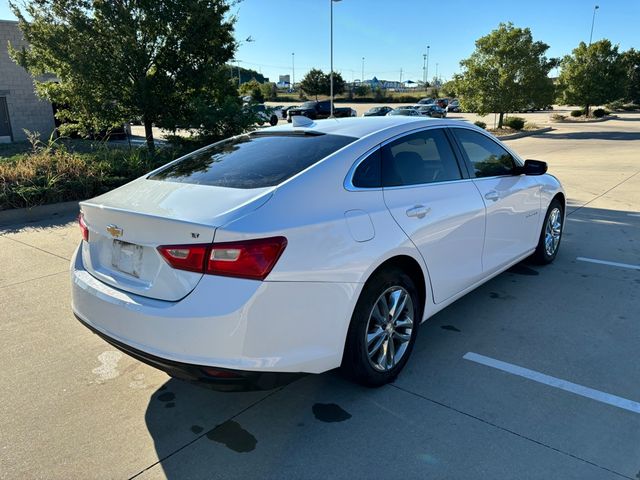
x=58 y=172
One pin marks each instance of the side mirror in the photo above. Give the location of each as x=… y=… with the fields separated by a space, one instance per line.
x=533 y=167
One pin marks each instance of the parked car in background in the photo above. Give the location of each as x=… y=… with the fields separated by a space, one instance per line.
x=285 y=111
x=442 y=102
x=320 y=110
x=265 y=114
x=404 y=111
x=432 y=111
x=454 y=106
x=240 y=278
x=377 y=112
x=426 y=101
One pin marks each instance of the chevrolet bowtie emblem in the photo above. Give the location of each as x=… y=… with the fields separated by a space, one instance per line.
x=115 y=231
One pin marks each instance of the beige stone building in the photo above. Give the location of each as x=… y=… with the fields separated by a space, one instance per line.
x=20 y=108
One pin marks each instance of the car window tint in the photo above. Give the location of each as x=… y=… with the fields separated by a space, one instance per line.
x=423 y=157
x=488 y=159
x=252 y=161
x=368 y=174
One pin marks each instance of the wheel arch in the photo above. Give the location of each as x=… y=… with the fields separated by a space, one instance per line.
x=411 y=267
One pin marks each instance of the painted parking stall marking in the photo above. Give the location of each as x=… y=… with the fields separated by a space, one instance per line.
x=606 y=262
x=581 y=390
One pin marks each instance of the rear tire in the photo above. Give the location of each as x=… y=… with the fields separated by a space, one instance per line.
x=383 y=329
x=273 y=121
x=551 y=234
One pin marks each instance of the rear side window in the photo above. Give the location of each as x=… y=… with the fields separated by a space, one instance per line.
x=253 y=161
x=368 y=174
x=419 y=158
x=487 y=158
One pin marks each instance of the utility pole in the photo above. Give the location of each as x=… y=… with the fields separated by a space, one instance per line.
x=424 y=68
x=293 y=70
x=593 y=19
x=437 y=82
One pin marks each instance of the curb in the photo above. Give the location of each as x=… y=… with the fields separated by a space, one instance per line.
x=513 y=136
x=18 y=216
x=597 y=120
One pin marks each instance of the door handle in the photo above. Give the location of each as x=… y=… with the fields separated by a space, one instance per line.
x=419 y=211
x=492 y=195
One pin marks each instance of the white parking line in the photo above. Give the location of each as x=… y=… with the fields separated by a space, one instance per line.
x=555 y=382
x=605 y=262
x=634 y=214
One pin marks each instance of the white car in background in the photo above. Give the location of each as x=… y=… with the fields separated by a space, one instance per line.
x=306 y=247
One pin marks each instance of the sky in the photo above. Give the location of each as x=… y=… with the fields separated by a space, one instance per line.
x=393 y=35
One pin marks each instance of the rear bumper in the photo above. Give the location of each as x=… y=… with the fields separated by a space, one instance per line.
x=227 y=323
x=217 y=379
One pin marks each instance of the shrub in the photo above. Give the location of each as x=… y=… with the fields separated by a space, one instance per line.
x=53 y=172
x=577 y=113
x=599 y=112
x=556 y=117
x=480 y=124
x=517 y=123
x=615 y=105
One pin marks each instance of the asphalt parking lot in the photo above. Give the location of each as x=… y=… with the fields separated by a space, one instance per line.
x=533 y=375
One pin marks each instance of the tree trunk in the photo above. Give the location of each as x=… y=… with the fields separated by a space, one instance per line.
x=586 y=110
x=148 y=135
x=500 y=119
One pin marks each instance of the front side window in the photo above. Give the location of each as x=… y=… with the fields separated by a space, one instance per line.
x=419 y=158
x=253 y=161
x=487 y=158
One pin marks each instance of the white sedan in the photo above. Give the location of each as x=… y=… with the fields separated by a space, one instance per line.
x=307 y=246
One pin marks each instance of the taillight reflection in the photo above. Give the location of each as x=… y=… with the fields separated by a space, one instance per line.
x=83 y=227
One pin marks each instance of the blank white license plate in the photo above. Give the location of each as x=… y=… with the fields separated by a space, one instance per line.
x=126 y=257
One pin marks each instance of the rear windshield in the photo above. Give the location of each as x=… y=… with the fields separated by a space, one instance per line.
x=253 y=161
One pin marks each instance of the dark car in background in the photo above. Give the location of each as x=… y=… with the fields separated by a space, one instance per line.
x=404 y=111
x=426 y=101
x=320 y=110
x=432 y=111
x=377 y=111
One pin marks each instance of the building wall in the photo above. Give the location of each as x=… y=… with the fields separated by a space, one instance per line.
x=26 y=110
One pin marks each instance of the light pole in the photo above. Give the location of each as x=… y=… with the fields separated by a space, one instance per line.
x=293 y=71
x=426 y=73
x=593 y=19
x=331 y=74
x=436 y=77
x=424 y=68
x=362 y=77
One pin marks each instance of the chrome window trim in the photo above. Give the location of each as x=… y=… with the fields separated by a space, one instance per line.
x=348 y=180
x=515 y=156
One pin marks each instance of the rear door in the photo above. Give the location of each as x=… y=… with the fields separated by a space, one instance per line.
x=437 y=207
x=512 y=200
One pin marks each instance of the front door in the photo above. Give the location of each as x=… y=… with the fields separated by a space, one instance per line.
x=512 y=200
x=440 y=211
x=5 y=126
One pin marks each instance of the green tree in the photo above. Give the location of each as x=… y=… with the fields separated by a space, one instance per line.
x=162 y=61
x=449 y=89
x=631 y=61
x=269 y=91
x=505 y=73
x=254 y=89
x=315 y=82
x=362 y=90
x=592 y=75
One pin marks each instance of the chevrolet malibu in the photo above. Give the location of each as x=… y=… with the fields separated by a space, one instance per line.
x=306 y=247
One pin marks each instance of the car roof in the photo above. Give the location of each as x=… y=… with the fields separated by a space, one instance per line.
x=359 y=127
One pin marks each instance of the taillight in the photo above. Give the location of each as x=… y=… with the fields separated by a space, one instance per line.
x=83 y=228
x=185 y=257
x=246 y=259
x=253 y=259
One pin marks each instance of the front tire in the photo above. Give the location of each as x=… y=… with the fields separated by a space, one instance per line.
x=383 y=329
x=273 y=121
x=551 y=234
